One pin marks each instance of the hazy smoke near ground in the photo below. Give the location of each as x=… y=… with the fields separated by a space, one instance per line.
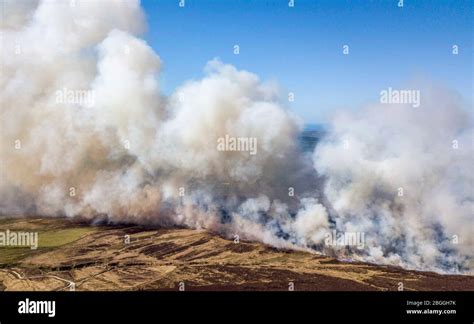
x=85 y=132
x=404 y=176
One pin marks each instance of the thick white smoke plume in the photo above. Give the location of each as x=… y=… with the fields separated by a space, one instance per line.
x=86 y=132
x=404 y=176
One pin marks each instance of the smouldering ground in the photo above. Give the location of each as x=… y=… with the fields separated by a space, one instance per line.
x=87 y=257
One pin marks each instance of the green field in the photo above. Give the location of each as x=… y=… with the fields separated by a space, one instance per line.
x=48 y=239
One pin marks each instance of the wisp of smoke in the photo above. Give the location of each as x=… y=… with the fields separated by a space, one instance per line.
x=86 y=132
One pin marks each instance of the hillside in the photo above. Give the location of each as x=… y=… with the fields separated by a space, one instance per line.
x=73 y=254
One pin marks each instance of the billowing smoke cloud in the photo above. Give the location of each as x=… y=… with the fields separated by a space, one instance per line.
x=403 y=176
x=86 y=133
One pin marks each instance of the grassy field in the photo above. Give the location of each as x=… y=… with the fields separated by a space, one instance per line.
x=56 y=238
x=49 y=237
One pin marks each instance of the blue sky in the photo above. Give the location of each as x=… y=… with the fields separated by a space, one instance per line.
x=301 y=47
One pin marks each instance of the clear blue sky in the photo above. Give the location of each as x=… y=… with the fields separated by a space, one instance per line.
x=301 y=47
